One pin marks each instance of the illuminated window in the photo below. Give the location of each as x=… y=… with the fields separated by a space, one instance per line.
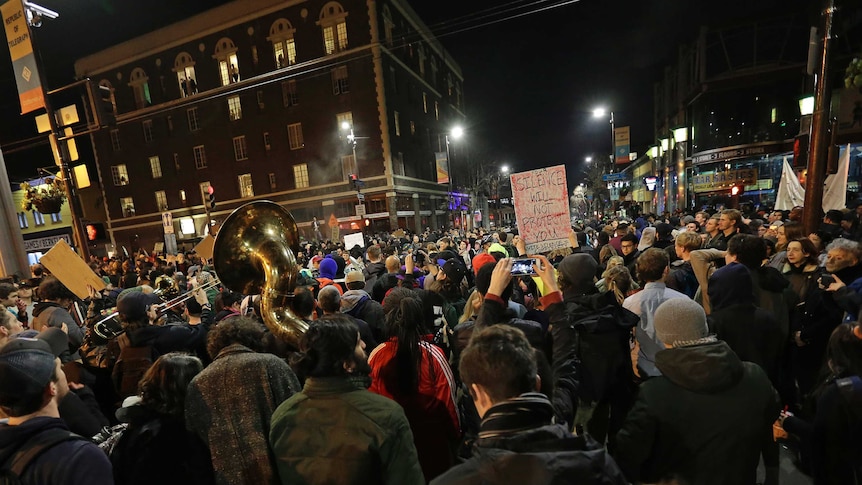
x=424 y=102
x=332 y=21
x=436 y=111
x=283 y=44
x=128 y=206
x=266 y=142
x=161 y=200
x=240 y=149
x=294 y=136
x=272 y=185
x=120 y=175
x=200 y=157
x=300 y=175
x=234 y=108
x=397 y=124
x=184 y=66
x=245 y=186
x=228 y=64
x=156 y=167
x=346 y=117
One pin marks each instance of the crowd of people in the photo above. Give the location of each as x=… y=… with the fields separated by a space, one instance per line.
x=674 y=348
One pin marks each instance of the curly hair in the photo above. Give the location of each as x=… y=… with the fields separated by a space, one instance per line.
x=245 y=331
x=163 y=387
x=52 y=289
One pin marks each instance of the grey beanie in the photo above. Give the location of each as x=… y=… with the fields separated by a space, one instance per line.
x=579 y=270
x=680 y=320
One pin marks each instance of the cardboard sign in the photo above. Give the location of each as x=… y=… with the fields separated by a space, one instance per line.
x=542 y=208
x=71 y=270
x=205 y=247
x=351 y=240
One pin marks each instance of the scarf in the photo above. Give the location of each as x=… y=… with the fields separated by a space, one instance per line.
x=527 y=411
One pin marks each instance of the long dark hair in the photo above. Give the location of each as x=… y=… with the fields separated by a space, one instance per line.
x=404 y=317
x=163 y=387
x=844 y=351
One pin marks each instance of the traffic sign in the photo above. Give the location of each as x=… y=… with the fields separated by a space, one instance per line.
x=333 y=222
x=360 y=210
x=613 y=177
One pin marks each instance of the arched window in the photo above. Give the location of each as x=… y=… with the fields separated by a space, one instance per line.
x=388 y=25
x=107 y=84
x=184 y=66
x=138 y=80
x=228 y=65
x=332 y=21
x=283 y=44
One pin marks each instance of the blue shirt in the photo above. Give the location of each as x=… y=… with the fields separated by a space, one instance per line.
x=644 y=304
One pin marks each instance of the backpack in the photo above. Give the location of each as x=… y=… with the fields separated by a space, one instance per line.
x=15 y=463
x=131 y=366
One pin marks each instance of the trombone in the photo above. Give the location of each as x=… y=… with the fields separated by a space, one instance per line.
x=110 y=326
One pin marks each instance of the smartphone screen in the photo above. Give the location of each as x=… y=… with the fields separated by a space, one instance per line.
x=523 y=266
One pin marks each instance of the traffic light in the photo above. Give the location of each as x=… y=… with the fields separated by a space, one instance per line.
x=102 y=103
x=800 y=151
x=356 y=182
x=736 y=190
x=211 y=197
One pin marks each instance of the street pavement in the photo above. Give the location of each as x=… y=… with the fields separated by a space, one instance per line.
x=788 y=474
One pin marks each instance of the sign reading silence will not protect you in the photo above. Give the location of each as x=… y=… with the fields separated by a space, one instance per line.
x=542 y=208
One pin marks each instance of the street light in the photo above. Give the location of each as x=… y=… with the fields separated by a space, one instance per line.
x=588 y=159
x=601 y=112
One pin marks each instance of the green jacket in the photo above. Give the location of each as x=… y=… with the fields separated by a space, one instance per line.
x=336 y=432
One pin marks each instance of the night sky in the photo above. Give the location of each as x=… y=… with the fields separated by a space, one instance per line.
x=530 y=82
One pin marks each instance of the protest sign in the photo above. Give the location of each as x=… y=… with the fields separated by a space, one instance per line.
x=351 y=240
x=542 y=208
x=71 y=270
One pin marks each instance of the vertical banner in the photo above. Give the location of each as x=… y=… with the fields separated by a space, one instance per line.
x=23 y=61
x=442 y=167
x=542 y=208
x=622 y=142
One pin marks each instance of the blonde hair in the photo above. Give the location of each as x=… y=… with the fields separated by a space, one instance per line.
x=689 y=241
x=619 y=281
x=468 y=307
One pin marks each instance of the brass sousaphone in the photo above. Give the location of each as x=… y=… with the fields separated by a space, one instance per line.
x=254 y=254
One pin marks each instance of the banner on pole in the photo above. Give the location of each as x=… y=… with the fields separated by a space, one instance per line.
x=622 y=144
x=23 y=61
x=542 y=208
x=442 y=167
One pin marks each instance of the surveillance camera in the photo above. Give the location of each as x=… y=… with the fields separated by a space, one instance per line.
x=44 y=12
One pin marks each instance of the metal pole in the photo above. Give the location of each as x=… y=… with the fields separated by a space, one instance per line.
x=450 y=198
x=818 y=145
x=613 y=143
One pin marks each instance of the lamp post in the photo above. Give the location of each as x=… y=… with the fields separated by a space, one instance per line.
x=601 y=113
x=457 y=132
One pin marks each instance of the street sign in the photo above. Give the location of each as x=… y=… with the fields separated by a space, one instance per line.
x=613 y=177
x=360 y=210
x=361 y=197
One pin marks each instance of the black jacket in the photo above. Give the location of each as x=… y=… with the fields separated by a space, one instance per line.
x=372 y=272
x=528 y=450
x=705 y=419
x=752 y=333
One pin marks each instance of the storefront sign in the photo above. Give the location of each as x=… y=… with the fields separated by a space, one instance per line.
x=711 y=182
x=740 y=151
x=622 y=145
x=45 y=243
x=542 y=208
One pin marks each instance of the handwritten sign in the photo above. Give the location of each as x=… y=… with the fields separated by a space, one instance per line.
x=542 y=208
x=356 y=239
x=71 y=270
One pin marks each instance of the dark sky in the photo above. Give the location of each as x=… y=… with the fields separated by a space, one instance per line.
x=530 y=82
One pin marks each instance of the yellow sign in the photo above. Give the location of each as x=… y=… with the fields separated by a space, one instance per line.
x=23 y=61
x=712 y=182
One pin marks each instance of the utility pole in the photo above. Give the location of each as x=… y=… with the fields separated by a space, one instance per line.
x=819 y=139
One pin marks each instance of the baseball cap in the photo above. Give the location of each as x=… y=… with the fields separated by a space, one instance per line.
x=27 y=364
x=454 y=270
x=133 y=305
x=353 y=277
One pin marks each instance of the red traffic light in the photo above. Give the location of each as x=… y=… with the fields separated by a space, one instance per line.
x=210 y=189
x=736 y=190
x=354 y=177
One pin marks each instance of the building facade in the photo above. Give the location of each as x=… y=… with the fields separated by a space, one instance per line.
x=260 y=99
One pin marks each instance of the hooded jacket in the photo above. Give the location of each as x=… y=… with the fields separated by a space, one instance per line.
x=372 y=272
x=49 y=314
x=705 y=419
x=358 y=304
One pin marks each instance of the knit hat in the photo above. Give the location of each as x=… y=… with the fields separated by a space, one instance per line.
x=679 y=321
x=132 y=306
x=578 y=270
x=328 y=268
x=498 y=248
x=687 y=220
x=730 y=285
x=27 y=364
x=481 y=260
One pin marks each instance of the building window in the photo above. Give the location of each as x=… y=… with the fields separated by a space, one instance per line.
x=192 y=114
x=240 y=149
x=39 y=218
x=412 y=128
x=245 y=187
x=184 y=66
x=260 y=103
x=228 y=64
x=115 y=140
x=294 y=136
x=147 y=125
x=340 y=84
x=170 y=120
x=388 y=25
x=23 y=223
x=183 y=197
x=283 y=44
x=436 y=111
x=128 y=206
x=288 y=93
x=332 y=21
x=177 y=162
x=120 y=175
x=397 y=124
x=56 y=217
x=161 y=200
x=234 y=108
x=421 y=60
x=272 y=185
x=300 y=175
x=266 y=143
x=200 y=157
x=156 y=167
x=399 y=164
x=138 y=80
x=393 y=80
x=348 y=166
x=424 y=102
